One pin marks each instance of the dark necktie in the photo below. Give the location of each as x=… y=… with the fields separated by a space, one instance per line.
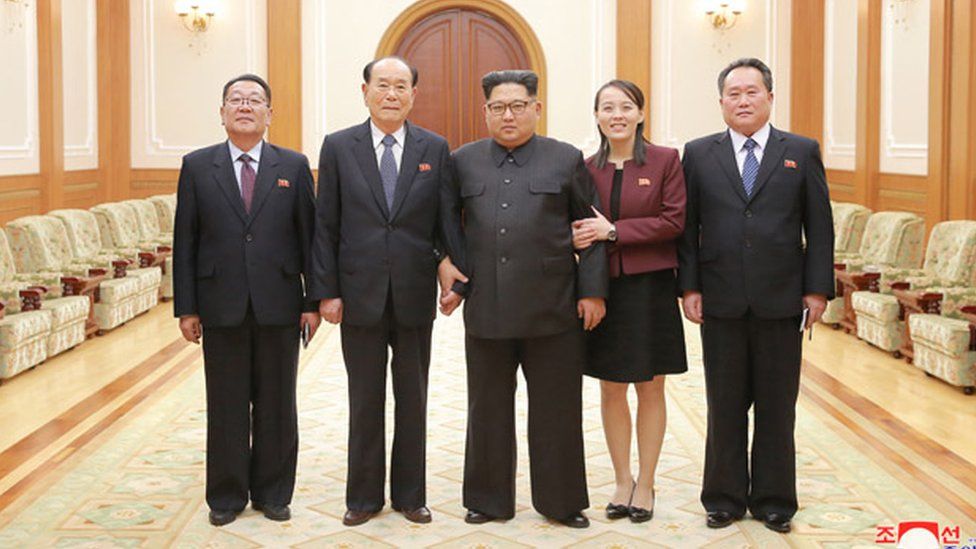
x=750 y=168
x=247 y=181
x=388 y=169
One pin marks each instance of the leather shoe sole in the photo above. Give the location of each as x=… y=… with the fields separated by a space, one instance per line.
x=220 y=518
x=777 y=523
x=355 y=518
x=477 y=517
x=278 y=513
x=420 y=515
x=719 y=519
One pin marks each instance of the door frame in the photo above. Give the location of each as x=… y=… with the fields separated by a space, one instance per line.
x=501 y=11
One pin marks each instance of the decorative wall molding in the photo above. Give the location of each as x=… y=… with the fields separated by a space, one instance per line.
x=899 y=156
x=85 y=155
x=24 y=158
x=832 y=146
x=600 y=13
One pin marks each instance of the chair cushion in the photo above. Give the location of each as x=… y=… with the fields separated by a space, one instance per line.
x=881 y=307
x=947 y=335
x=18 y=328
x=65 y=310
x=119 y=289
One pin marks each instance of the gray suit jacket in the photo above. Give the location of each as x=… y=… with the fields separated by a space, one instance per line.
x=746 y=253
x=518 y=211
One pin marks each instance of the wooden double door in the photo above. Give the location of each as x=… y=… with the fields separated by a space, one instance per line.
x=452 y=49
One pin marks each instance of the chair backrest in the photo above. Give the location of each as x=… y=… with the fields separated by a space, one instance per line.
x=849 y=222
x=39 y=243
x=165 y=205
x=118 y=225
x=7 y=266
x=81 y=227
x=951 y=253
x=145 y=217
x=894 y=239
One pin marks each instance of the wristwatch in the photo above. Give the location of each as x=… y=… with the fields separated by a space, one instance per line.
x=612 y=234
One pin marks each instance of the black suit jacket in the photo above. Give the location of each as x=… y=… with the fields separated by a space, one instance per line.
x=518 y=211
x=362 y=247
x=224 y=257
x=746 y=254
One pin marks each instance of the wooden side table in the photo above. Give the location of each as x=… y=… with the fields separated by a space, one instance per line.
x=909 y=303
x=86 y=286
x=849 y=282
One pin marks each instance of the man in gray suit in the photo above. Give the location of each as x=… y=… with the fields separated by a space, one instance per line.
x=379 y=222
x=519 y=194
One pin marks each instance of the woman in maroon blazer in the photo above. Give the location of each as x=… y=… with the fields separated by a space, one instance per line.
x=641 y=339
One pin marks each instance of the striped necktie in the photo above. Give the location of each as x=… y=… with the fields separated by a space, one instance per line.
x=750 y=168
x=388 y=169
x=247 y=181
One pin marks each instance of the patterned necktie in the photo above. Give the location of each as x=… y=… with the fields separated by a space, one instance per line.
x=247 y=181
x=388 y=169
x=750 y=168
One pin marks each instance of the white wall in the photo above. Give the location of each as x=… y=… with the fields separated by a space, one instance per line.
x=80 y=75
x=840 y=84
x=905 y=87
x=177 y=80
x=338 y=38
x=688 y=53
x=19 y=152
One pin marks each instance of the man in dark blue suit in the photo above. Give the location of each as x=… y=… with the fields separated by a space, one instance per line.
x=241 y=245
x=754 y=192
x=386 y=202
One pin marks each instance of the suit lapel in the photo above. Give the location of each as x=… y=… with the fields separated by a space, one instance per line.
x=265 y=180
x=772 y=157
x=722 y=148
x=224 y=176
x=413 y=151
x=366 y=157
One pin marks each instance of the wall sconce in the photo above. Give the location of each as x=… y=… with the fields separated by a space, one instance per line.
x=723 y=15
x=195 y=15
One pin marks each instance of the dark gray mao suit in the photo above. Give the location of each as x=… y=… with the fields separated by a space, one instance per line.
x=521 y=309
x=381 y=261
x=241 y=272
x=746 y=256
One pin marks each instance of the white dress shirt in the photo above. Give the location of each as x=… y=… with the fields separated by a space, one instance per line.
x=236 y=153
x=378 y=146
x=761 y=137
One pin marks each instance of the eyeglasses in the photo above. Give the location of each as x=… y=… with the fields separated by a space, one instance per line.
x=517 y=107
x=253 y=102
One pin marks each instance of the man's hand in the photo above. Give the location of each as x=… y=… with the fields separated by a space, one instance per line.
x=190 y=326
x=450 y=302
x=447 y=275
x=313 y=320
x=583 y=236
x=591 y=310
x=691 y=304
x=331 y=310
x=817 y=303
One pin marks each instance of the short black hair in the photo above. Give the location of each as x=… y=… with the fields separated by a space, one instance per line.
x=767 y=74
x=525 y=78
x=368 y=69
x=248 y=78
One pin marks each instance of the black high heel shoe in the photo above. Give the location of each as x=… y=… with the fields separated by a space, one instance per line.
x=639 y=514
x=618 y=511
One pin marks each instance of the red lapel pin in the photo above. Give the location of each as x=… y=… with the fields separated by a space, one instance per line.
x=284 y=183
x=643 y=182
x=424 y=167
x=791 y=164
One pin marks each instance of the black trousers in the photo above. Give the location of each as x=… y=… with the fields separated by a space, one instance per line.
x=751 y=362
x=553 y=369
x=364 y=349
x=252 y=417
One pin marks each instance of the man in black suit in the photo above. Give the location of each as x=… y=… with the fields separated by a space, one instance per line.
x=384 y=204
x=241 y=244
x=520 y=192
x=753 y=193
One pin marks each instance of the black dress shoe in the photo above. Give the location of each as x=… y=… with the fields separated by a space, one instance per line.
x=639 y=514
x=355 y=518
x=477 y=517
x=272 y=511
x=420 y=515
x=576 y=520
x=719 y=519
x=777 y=523
x=615 y=511
x=220 y=518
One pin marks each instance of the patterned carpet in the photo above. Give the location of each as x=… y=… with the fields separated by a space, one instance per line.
x=140 y=483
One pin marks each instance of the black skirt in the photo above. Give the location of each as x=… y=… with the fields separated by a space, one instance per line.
x=642 y=335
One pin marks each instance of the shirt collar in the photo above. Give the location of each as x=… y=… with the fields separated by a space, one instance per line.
x=521 y=154
x=761 y=137
x=254 y=153
x=400 y=135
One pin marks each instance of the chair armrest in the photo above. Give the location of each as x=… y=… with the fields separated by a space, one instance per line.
x=3 y=309
x=81 y=285
x=119 y=267
x=859 y=281
x=918 y=302
x=900 y=285
x=30 y=299
x=164 y=250
x=151 y=259
x=98 y=271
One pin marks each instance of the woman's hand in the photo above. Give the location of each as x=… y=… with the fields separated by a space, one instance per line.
x=586 y=231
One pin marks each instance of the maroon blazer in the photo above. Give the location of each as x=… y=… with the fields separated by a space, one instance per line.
x=652 y=211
